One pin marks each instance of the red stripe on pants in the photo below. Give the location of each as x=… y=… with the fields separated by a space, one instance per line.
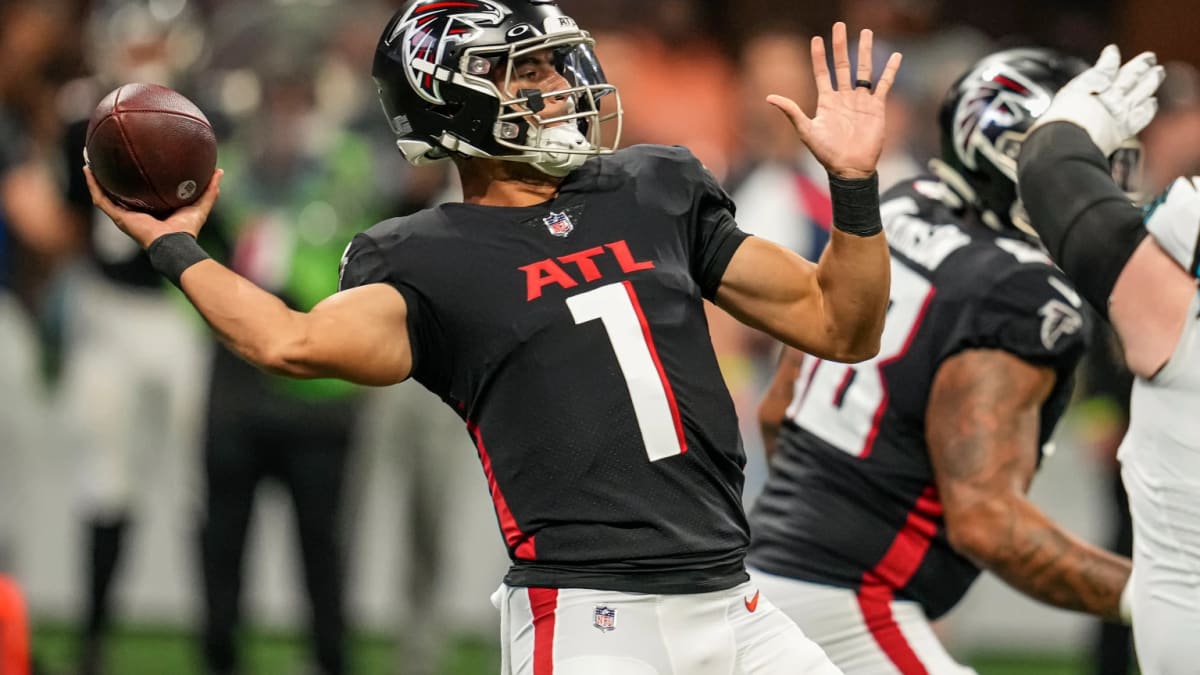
x=875 y=602
x=14 y=630
x=544 y=603
x=893 y=571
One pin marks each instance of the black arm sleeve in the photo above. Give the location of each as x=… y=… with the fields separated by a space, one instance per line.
x=1088 y=225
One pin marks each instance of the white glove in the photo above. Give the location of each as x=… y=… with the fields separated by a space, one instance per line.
x=1111 y=102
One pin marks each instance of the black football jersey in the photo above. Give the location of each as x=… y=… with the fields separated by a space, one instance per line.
x=851 y=499
x=571 y=338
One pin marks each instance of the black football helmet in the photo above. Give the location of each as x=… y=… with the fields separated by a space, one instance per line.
x=985 y=118
x=445 y=68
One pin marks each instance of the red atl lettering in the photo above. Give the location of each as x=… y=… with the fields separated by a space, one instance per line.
x=621 y=251
x=548 y=272
x=583 y=260
x=543 y=273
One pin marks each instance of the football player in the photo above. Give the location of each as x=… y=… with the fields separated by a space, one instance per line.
x=559 y=311
x=894 y=482
x=1146 y=287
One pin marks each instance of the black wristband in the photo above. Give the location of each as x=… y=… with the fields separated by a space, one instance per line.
x=171 y=254
x=856 y=205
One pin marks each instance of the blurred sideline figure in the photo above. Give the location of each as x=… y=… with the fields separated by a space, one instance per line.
x=779 y=187
x=300 y=185
x=675 y=79
x=895 y=481
x=1146 y=286
x=133 y=354
x=608 y=440
x=423 y=446
x=35 y=224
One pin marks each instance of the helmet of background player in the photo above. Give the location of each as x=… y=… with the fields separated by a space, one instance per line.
x=984 y=120
x=446 y=77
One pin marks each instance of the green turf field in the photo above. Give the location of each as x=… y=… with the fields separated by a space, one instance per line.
x=139 y=651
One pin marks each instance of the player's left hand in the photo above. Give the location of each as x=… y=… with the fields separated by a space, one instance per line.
x=846 y=134
x=145 y=228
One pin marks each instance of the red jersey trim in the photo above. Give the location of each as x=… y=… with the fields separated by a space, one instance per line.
x=520 y=544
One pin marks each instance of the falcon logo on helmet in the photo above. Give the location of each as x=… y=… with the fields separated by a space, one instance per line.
x=429 y=27
x=985 y=120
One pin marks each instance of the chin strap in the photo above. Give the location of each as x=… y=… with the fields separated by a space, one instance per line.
x=562 y=149
x=958 y=185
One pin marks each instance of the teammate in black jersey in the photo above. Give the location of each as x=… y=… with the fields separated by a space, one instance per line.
x=559 y=311
x=894 y=481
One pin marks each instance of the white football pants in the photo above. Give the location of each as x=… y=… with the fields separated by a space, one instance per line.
x=586 y=632
x=862 y=634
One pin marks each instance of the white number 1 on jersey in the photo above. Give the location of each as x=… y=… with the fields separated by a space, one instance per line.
x=617 y=307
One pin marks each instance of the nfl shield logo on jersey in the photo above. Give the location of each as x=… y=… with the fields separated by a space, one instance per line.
x=559 y=224
x=605 y=619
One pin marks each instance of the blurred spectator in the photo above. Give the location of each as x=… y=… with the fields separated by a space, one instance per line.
x=132 y=353
x=35 y=226
x=780 y=190
x=935 y=52
x=298 y=186
x=429 y=452
x=677 y=85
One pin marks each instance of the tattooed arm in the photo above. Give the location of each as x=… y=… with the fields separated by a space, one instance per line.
x=773 y=408
x=982 y=426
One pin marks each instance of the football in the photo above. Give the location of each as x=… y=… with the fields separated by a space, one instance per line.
x=150 y=148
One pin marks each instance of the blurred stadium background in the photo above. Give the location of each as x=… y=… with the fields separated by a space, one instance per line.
x=290 y=79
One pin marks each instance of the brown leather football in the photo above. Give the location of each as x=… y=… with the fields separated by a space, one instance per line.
x=151 y=148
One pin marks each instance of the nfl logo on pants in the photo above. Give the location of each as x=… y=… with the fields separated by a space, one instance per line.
x=604 y=619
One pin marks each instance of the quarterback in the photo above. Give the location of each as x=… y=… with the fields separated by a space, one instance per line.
x=559 y=310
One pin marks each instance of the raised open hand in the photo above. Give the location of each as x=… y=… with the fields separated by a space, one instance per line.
x=846 y=134
x=145 y=228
